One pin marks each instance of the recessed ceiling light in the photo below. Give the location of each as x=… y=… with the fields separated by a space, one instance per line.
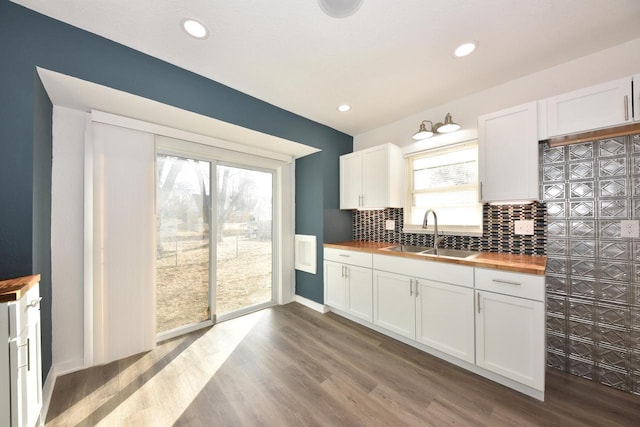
x=465 y=49
x=194 y=28
x=340 y=8
x=344 y=108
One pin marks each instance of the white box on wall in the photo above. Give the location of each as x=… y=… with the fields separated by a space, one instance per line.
x=305 y=253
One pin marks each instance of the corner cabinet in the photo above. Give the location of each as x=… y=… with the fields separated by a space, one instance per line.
x=348 y=281
x=508 y=154
x=510 y=326
x=595 y=107
x=372 y=178
x=20 y=361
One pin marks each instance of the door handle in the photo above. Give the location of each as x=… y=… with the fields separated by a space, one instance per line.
x=626 y=107
x=478 y=302
x=417 y=288
x=411 y=287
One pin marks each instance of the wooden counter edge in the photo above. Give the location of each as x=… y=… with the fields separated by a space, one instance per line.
x=375 y=247
x=13 y=289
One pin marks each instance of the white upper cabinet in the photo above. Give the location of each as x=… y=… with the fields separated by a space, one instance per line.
x=636 y=98
x=508 y=154
x=372 y=178
x=595 y=107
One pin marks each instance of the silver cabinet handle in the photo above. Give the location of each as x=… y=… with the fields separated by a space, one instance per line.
x=411 y=287
x=346 y=272
x=480 y=190
x=506 y=282
x=478 y=302
x=345 y=255
x=28 y=345
x=35 y=303
x=417 y=284
x=626 y=107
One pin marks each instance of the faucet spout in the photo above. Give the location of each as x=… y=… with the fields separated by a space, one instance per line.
x=436 y=238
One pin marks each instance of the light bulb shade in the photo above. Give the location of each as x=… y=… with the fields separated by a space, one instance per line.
x=423 y=132
x=448 y=126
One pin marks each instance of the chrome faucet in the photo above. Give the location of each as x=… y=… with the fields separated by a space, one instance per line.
x=436 y=239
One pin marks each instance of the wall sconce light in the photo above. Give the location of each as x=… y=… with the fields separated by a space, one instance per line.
x=446 y=127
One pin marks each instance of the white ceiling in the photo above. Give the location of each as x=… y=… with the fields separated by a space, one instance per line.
x=390 y=60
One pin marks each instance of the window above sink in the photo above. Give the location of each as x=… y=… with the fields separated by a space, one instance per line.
x=445 y=180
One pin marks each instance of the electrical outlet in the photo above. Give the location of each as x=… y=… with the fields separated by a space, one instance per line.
x=524 y=227
x=629 y=228
x=390 y=225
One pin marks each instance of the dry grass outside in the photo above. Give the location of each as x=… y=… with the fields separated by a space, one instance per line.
x=182 y=277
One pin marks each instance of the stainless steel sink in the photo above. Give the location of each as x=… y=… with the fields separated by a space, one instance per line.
x=451 y=253
x=427 y=251
x=407 y=248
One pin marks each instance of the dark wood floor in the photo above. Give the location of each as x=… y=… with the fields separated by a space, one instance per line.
x=292 y=366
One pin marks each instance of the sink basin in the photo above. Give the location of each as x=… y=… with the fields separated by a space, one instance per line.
x=427 y=251
x=451 y=253
x=407 y=248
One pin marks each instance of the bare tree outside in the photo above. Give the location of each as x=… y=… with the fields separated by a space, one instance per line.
x=243 y=237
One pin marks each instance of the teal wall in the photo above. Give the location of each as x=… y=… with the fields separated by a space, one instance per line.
x=28 y=39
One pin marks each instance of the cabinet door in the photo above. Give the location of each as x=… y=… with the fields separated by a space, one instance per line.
x=636 y=98
x=335 y=285
x=350 y=181
x=394 y=303
x=375 y=178
x=508 y=154
x=510 y=337
x=33 y=377
x=444 y=318
x=595 y=107
x=360 y=292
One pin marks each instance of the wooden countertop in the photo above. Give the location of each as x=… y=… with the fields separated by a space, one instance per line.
x=14 y=289
x=530 y=264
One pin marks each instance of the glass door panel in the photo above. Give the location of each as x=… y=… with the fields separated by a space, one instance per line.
x=183 y=243
x=244 y=274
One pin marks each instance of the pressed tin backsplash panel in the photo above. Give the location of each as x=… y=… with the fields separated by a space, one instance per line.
x=593 y=275
x=497 y=233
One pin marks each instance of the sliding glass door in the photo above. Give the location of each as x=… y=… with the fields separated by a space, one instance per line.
x=211 y=261
x=183 y=255
x=244 y=251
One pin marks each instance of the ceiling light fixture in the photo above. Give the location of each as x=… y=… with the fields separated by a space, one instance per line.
x=344 y=108
x=340 y=8
x=425 y=132
x=194 y=28
x=465 y=49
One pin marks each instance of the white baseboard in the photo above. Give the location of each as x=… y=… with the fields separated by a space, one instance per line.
x=47 y=392
x=68 y=367
x=311 y=304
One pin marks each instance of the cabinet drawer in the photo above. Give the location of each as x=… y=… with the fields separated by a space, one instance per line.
x=362 y=259
x=521 y=285
x=461 y=275
x=26 y=310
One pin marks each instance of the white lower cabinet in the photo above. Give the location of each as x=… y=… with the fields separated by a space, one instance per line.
x=510 y=325
x=20 y=361
x=510 y=337
x=394 y=303
x=348 y=282
x=444 y=318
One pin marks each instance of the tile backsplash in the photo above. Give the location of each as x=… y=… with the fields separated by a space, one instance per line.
x=593 y=275
x=497 y=235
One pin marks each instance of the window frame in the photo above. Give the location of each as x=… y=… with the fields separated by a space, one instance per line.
x=460 y=229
